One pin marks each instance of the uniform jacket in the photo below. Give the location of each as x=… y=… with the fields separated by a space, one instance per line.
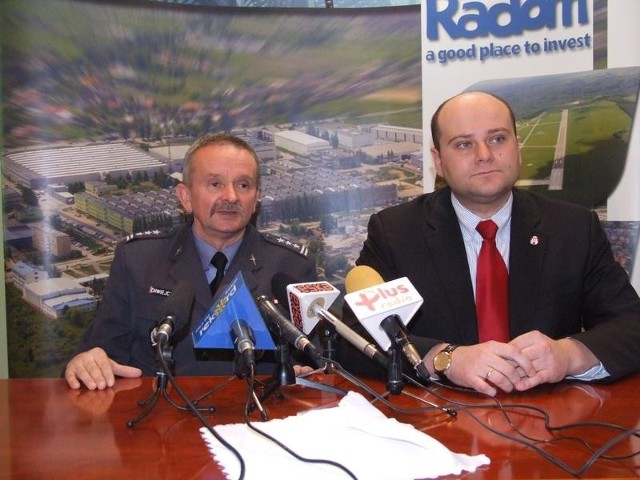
x=148 y=266
x=563 y=279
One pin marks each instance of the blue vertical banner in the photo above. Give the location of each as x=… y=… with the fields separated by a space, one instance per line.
x=575 y=95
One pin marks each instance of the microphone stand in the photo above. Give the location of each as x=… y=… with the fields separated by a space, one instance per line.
x=284 y=375
x=243 y=371
x=395 y=382
x=394 y=370
x=395 y=376
x=164 y=351
x=240 y=371
x=329 y=336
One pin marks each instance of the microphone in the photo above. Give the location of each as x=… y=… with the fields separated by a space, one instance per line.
x=234 y=302
x=362 y=344
x=303 y=299
x=174 y=311
x=282 y=327
x=244 y=341
x=384 y=309
x=306 y=303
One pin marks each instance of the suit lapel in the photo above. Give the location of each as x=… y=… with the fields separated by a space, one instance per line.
x=186 y=264
x=527 y=252
x=444 y=241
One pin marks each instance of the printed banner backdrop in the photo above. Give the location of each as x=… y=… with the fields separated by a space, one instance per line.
x=81 y=78
x=571 y=71
x=101 y=100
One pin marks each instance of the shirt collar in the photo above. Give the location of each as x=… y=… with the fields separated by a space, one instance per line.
x=206 y=251
x=469 y=220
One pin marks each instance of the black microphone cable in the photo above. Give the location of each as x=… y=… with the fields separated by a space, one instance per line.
x=335 y=367
x=250 y=399
x=197 y=413
x=452 y=406
x=532 y=442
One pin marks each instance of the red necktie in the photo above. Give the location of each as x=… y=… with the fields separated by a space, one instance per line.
x=492 y=287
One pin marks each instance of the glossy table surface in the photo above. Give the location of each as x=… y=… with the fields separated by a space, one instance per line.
x=49 y=431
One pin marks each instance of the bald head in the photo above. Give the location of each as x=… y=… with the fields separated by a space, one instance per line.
x=476 y=150
x=461 y=99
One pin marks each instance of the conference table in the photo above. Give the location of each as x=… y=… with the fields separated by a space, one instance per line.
x=48 y=431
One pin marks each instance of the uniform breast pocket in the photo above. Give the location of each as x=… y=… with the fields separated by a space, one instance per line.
x=147 y=313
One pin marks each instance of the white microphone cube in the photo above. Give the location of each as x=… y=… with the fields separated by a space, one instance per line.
x=304 y=297
x=372 y=305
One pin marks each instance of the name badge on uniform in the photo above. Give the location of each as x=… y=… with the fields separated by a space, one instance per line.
x=159 y=291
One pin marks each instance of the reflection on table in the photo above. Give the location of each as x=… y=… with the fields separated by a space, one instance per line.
x=50 y=431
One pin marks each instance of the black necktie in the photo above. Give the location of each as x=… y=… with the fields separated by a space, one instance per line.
x=219 y=261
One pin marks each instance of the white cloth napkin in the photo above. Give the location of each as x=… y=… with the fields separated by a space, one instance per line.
x=354 y=434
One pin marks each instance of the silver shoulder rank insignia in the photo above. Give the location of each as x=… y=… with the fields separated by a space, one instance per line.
x=148 y=234
x=285 y=242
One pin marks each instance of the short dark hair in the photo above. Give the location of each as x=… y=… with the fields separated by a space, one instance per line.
x=216 y=139
x=435 y=129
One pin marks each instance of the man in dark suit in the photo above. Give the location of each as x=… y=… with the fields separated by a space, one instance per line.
x=571 y=309
x=220 y=189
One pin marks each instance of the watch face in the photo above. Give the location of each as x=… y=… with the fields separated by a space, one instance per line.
x=441 y=361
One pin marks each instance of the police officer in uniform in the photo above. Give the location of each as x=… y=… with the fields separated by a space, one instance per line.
x=220 y=190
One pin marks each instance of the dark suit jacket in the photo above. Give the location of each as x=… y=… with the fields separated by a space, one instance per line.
x=150 y=263
x=563 y=279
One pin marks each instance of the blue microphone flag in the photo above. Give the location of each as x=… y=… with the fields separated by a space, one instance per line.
x=235 y=302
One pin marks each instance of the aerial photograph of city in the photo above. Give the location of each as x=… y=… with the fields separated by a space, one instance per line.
x=101 y=101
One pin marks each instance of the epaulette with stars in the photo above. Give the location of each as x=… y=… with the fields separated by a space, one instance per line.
x=285 y=242
x=155 y=233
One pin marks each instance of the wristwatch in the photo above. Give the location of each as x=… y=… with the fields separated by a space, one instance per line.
x=442 y=360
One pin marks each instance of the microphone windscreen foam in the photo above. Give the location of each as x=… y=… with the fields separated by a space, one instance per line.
x=361 y=277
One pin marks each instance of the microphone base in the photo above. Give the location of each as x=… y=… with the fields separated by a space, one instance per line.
x=320 y=386
x=161 y=389
x=272 y=387
x=284 y=375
